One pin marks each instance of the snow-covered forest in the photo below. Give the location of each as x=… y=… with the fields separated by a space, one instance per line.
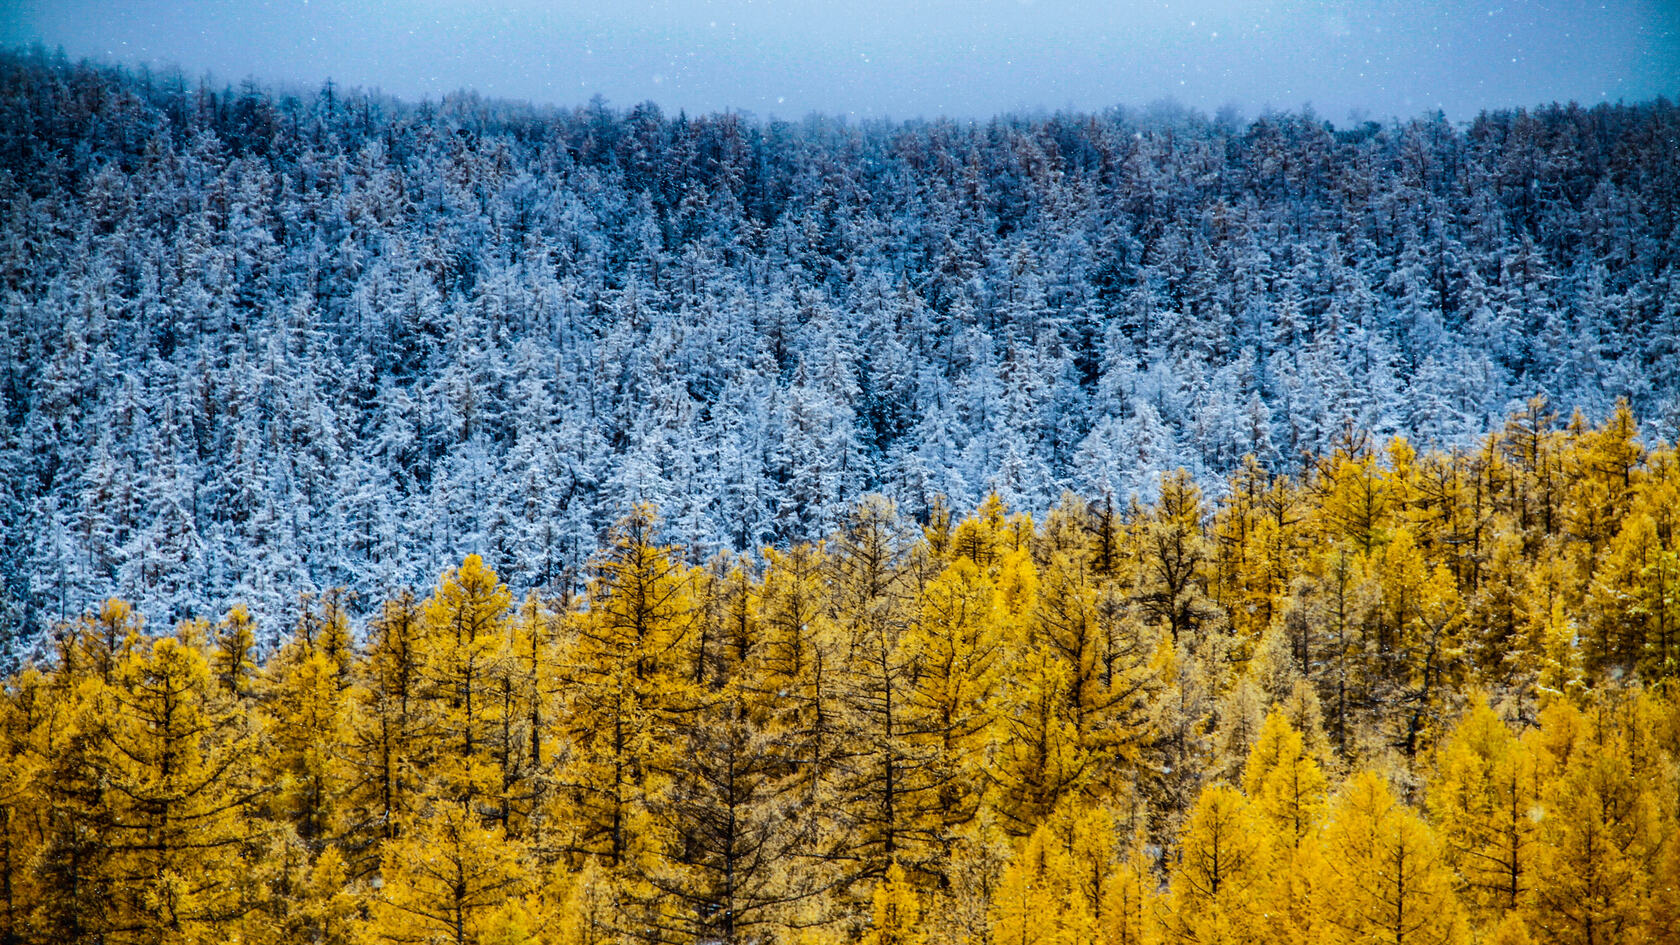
x=258 y=343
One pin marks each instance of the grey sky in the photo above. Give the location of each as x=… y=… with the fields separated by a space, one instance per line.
x=965 y=58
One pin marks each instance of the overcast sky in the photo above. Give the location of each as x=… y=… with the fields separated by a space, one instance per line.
x=904 y=58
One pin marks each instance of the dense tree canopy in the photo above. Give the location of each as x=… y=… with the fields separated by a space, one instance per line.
x=986 y=729
x=465 y=522
x=254 y=343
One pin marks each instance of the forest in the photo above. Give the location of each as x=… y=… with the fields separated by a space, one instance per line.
x=257 y=342
x=1401 y=697
x=467 y=522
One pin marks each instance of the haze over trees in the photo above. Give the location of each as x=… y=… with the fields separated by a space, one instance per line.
x=257 y=344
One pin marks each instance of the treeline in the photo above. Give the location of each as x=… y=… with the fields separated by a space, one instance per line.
x=256 y=343
x=1400 y=698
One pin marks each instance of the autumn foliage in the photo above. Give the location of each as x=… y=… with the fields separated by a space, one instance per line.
x=1393 y=698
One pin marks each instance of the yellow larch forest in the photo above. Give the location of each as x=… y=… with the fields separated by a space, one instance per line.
x=1394 y=698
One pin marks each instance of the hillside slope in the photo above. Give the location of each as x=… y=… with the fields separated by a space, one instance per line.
x=256 y=344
